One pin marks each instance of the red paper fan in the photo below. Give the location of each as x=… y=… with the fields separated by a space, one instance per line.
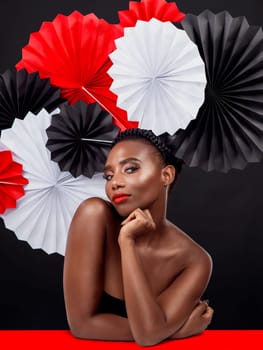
x=11 y=181
x=148 y=9
x=73 y=52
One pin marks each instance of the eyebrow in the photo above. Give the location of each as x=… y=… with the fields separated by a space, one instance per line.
x=124 y=161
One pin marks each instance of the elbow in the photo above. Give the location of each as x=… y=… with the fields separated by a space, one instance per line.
x=76 y=331
x=148 y=337
x=80 y=333
x=145 y=340
x=153 y=332
x=80 y=329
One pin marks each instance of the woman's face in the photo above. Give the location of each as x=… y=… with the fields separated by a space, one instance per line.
x=133 y=174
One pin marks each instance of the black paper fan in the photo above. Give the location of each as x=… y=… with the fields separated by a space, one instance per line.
x=228 y=130
x=80 y=137
x=21 y=92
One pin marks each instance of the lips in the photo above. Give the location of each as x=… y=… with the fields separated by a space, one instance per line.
x=120 y=197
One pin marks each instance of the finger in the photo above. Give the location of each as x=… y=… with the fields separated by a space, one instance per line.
x=141 y=212
x=145 y=213
x=148 y=214
x=200 y=308
x=206 y=301
x=209 y=312
x=149 y=219
x=133 y=215
x=130 y=217
x=208 y=315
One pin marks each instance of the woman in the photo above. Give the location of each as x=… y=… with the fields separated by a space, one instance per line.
x=126 y=249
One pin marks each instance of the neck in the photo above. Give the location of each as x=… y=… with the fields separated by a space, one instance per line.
x=158 y=212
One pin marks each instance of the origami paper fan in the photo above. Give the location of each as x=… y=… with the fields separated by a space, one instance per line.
x=73 y=52
x=43 y=215
x=80 y=137
x=11 y=181
x=158 y=75
x=145 y=10
x=21 y=92
x=227 y=132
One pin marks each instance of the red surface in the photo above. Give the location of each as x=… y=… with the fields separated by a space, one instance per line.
x=223 y=340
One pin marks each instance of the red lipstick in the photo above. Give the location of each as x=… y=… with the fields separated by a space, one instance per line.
x=120 y=197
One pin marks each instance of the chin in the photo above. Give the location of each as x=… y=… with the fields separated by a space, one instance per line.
x=123 y=212
x=126 y=210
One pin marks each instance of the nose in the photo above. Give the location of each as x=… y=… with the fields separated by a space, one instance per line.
x=117 y=182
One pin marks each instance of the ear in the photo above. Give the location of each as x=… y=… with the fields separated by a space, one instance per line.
x=168 y=175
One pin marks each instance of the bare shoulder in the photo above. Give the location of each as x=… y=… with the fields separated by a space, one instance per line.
x=90 y=221
x=94 y=206
x=190 y=252
x=94 y=210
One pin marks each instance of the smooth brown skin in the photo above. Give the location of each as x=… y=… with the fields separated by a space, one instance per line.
x=134 y=253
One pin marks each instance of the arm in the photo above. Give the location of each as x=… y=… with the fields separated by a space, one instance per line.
x=197 y=322
x=83 y=275
x=153 y=319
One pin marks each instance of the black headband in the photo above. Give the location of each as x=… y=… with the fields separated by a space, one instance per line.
x=155 y=140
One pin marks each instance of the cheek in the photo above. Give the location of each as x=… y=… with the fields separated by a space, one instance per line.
x=107 y=187
x=146 y=180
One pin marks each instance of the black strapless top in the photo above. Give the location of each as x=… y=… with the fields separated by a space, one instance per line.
x=112 y=305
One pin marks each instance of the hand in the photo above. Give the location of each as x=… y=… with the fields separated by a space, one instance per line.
x=138 y=223
x=197 y=322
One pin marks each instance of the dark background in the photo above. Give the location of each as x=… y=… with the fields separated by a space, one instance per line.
x=223 y=212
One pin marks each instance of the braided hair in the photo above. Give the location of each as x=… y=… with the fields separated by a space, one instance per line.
x=157 y=141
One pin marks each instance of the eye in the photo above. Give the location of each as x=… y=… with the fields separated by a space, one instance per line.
x=107 y=177
x=131 y=169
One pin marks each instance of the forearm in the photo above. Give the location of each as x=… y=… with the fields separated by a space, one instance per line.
x=103 y=327
x=197 y=322
x=184 y=332
x=145 y=315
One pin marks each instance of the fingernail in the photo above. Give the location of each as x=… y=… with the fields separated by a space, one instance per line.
x=206 y=301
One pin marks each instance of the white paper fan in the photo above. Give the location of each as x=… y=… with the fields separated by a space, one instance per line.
x=158 y=76
x=43 y=215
